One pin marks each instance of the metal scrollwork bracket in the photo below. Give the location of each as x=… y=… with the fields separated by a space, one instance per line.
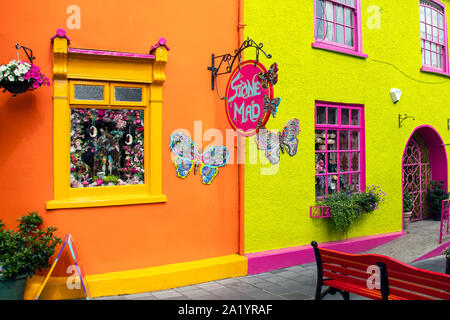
x=403 y=118
x=227 y=61
x=27 y=51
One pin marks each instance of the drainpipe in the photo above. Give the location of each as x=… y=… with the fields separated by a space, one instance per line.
x=241 y=145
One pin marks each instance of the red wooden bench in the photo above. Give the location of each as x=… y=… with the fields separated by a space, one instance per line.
x=353 y=273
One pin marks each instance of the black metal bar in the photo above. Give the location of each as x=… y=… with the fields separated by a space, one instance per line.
x=401 y=119
x=27 y=51
x=319 y=295
x=384 y=281
x=230 y=59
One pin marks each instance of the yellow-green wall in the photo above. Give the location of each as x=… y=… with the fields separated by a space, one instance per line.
x=277 y=206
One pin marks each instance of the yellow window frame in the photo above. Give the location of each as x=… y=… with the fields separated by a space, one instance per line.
x=113 y=101
x=76 y=68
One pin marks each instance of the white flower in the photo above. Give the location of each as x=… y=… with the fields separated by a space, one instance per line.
x=21 y=79
x=16 y=72
x=11 y=78
x=2 y=68
x=23 y=68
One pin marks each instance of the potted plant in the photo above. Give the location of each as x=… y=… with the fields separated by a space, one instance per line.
x=408 y=206
x=22 y=252
x=19 y=76
x=446 y=252
x=434 y=199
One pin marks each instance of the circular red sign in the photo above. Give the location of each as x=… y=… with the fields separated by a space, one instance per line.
x=245 y=98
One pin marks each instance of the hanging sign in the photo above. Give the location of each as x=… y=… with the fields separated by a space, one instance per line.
x=245 y=98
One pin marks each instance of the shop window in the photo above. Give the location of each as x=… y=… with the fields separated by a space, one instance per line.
x=107 y=129
x=339 y=149
x=338 y=26
x=106 y=147
x=433 y=36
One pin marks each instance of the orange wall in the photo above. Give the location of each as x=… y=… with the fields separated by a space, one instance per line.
x=198 y=221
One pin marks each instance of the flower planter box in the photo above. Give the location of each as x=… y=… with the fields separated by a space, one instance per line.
x=13 y=289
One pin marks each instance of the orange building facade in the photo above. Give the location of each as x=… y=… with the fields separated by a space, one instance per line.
x=166 y=231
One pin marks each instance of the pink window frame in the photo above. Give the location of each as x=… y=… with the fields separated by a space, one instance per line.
x=356 y=50
x=445 y=69
x=338 y=127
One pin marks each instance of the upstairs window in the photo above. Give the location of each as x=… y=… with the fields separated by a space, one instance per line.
x=433 y=36
x=338 y=26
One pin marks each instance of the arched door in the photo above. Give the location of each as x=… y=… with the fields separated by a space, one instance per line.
x=417 y=175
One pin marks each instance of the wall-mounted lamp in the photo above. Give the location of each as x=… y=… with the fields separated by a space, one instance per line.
x=396 y=94
x=403 y=118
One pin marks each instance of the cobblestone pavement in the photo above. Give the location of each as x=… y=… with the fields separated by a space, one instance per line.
x=297 y=282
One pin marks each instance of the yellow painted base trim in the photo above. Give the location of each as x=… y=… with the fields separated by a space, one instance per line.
x=105 y=201
x=143 y=280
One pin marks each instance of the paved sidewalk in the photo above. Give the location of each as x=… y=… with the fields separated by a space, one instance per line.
x=299 y=282
x=293 y=283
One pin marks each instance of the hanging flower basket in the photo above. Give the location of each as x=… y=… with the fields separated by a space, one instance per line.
x=18 y=77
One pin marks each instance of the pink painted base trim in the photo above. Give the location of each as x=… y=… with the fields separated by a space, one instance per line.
x=111 y=53
x=287 y=257
x=434 y=253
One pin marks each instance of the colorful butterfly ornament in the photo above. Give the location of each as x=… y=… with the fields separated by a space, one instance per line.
x=272 y=142
x=271 y=105
x=270 y=77
x=188 y=157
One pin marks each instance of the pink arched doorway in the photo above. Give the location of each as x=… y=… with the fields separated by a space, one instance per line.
x=424 y=160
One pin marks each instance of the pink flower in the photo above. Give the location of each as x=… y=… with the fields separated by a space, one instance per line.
x=85 y=183
x=99 y=182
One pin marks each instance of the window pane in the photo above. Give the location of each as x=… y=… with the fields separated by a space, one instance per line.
x=332 y=162
x=128 y=94
x=344 y=158
x=351 y=3
x=332 y=140
x=355 y=161
x=345 y=117
x=320 y=187
x=348 y=17
x=107 y=147
x=433 y=60
x=354 y=140
x=329 y=29
x=320 y=163
x=427 y=57
x=345 y=183
x=332 y=115
x=434 y=18
x=355 y=117
x=339 y=34
x=320 y=140
x=349 y=37
x=333 y=184
x=433 y=47
x=85 y=92
x=319 y=8
x=319 y=31
x=423 y=56
x=329 y=11
x=321 y=115
x=343 y=140
x=428 y=14
x=435 y=35
x=440 y=21
x=441 y=36
x=422 y=14
x=356 y=183
x=429 y=35
x=339 y=14
x=422 y=30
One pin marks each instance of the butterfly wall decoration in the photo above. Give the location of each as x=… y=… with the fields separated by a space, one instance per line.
x=272 y=143
x=270 y=77
x=271 y=105
x=188 y=157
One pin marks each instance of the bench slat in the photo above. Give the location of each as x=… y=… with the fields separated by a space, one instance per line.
x=401 y=276
x=345 y=263
x=347 y=271
x=418 y=288
x=343 y=278
x=345 y=286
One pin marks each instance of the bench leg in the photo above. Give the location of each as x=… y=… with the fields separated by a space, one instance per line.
x=332 y=291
